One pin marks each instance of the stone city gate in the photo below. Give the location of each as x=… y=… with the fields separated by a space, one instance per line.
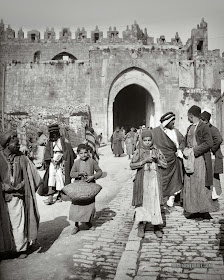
x=134 y=99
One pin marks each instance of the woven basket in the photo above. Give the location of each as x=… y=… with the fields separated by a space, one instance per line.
x=81 y=191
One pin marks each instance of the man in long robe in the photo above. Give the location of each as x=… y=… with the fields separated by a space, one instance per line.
x=19 y=181
x=169 y=140
x=59 y=158
x=117 y=142
x=216 y=150
x=197 y=194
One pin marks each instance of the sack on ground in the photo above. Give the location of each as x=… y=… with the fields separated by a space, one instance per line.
x=81 y=191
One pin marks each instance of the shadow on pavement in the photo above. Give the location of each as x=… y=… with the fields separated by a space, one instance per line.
x=49 y=232
x=103 y=216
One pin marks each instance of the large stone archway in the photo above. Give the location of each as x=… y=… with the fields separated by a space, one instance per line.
x=138 y=77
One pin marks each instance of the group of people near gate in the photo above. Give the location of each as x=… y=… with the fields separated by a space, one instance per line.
x=20 y=180
x=120 y=140
x=169 y=164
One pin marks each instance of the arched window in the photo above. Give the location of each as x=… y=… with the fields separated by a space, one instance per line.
x=64 y=56
x=36 y=57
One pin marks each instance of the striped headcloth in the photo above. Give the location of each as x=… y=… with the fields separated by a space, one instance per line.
x=92 y=142
x=167 y=118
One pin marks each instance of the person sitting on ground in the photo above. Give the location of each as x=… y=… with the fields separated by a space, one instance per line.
x=83 y=169
x=147 y=189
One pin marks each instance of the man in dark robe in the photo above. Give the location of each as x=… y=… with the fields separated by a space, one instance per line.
x=19 y=181
x=170 y=141
x=117 y=142
x=216 y=150
x=59 y=158
x=197 y=194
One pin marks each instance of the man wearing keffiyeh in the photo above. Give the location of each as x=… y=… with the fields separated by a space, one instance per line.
x=92 y=142
x=169 y=140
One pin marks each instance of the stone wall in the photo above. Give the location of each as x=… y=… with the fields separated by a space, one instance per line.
x=62 y=84
x=50 y=84
x=203 y=98
x=24 y=52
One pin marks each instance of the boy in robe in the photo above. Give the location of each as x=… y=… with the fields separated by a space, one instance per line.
x=84 y=168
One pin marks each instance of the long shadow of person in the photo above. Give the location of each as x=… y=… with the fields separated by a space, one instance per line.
x=49 y=232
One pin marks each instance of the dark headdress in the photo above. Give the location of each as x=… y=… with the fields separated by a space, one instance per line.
x=206 y=115
x=167 y=118
x=53 y=127
x=6 y=136
x=195 y=111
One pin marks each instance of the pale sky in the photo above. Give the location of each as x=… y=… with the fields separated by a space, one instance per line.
x=160 y=17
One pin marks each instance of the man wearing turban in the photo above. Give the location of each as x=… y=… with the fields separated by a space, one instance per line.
x=169 y=140
x=197 y=196
x=59 y=158
x=19 y=181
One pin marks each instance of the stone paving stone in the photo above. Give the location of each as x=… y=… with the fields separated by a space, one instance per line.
x=186 y=242
x=205 y=276
x=104 y=247
x=145 y=277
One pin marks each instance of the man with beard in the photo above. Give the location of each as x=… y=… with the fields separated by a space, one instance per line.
x=19 y=181
x=169 y=140
x=197 y=196
x=59 y=158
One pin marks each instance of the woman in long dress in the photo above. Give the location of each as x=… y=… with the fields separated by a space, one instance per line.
x=147 y=189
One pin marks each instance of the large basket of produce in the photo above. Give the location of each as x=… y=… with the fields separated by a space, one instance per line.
x=81 y=191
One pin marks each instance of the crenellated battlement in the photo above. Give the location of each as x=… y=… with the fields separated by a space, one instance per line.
x=73 y=45
x=133 y=34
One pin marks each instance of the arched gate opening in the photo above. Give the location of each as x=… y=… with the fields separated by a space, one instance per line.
x=134 y=100
x=133 y=106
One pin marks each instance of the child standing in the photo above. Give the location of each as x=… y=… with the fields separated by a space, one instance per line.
x=147 y=189
x=83 y=169
x=129 y=142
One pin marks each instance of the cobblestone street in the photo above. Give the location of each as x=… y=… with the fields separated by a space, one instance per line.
x=189 y=249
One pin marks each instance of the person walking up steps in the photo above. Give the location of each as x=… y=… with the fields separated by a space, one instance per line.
x=147 y=189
